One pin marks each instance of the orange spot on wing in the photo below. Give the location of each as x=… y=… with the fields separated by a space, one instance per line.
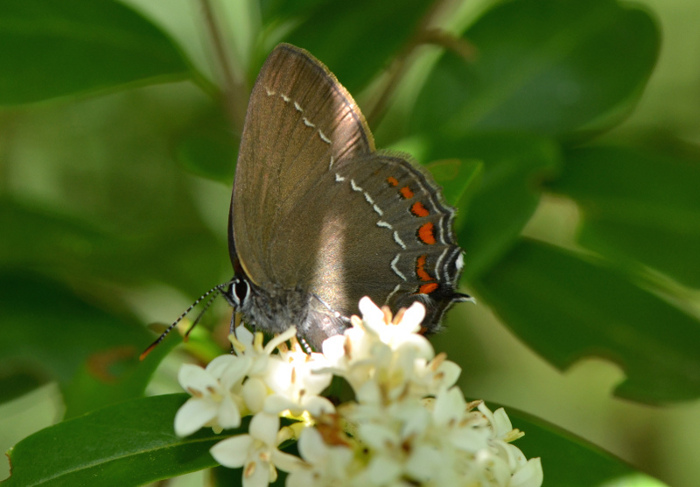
x=428 y=288
x=406 y=192
x=425 y=233
x=392 y=181
x=419 y=209
x=420 y=269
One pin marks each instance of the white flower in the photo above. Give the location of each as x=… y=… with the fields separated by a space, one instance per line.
x=429 y=378
x=297 y=379
x=390 y=433
x=256 y=452
x=513 y=464
x=214 y=400
x=229 y=387
x=466 y=430
x=403 y=330
x=242 y=339
x=408 y=423
x=390 y=354
x=257 y=386
x=324 y=464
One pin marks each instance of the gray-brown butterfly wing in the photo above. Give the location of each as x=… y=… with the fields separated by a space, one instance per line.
x=300 y=121
x=381 y=229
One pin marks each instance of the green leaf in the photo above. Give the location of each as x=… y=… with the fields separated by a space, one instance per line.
x=546 y=66
x=209 y=148
x=569 y=461
x=41 y=239
x=508 y=194
x=209 y=155
x=273 y=10
x=132 y=443
x=232 y=477
x=566 y=308
x=111 y=376
x=354 y=39
x=52 y=49
x=457 y=178
x=52 y=334
x=638 y=207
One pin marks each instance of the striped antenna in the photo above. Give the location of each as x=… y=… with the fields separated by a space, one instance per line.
x=205 y=308
x=216 y=291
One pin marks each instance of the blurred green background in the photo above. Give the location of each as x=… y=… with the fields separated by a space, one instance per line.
x=117 y=153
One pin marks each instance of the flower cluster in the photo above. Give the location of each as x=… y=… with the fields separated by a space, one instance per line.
x=408 y=424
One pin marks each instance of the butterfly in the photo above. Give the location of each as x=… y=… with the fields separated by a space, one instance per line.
x=319 y=218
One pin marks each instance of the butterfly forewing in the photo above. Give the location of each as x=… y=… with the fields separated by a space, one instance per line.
x=300 y=122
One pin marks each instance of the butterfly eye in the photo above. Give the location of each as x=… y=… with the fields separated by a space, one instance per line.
x=239 y=292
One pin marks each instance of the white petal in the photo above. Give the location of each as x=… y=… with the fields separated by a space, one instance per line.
x=449 y=405
x=483 y=408
x=312 y=379
x=371 y=313
x=194 y=377
x=501 y=423
x=258 y=477
x=515 y=458
x=311 y=446
x=529 y=476
x=424 y=461
x=254 y=392
x=278 y=376
x=229 y=416
x=381 y=471
x=334 y=348
x=300 y=478
x=264 y=427
x=339 y=460
x=497 y=466
x=471 y=439
x=244 y=336
x=377 y=436
x=357 y=340
x=418 y=343
x=216 y=367
x=232 y=452
x=413 y=316
x=235 y=372
x=450 y=373
x=194 y=414
x=318 y=405
x=369 y=393
x=415 y=419
x=276 y=403
x=285 y=461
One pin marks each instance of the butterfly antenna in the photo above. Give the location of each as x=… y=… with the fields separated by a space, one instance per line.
x=217 y=290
